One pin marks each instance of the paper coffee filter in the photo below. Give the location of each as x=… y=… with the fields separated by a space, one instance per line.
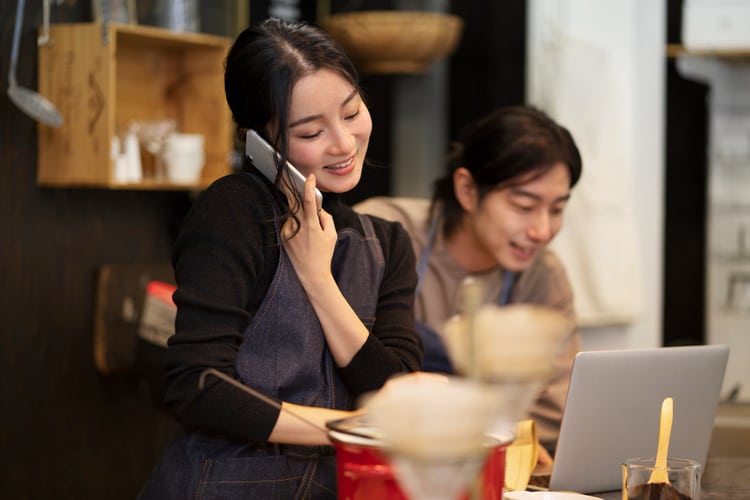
x=432 y=418
x=518 y=341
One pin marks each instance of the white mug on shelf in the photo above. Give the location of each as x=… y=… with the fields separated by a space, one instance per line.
x=183 y=156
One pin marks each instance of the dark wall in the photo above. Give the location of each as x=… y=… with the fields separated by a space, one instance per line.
x=685 y=199
x=488 y=69
x=65 y=430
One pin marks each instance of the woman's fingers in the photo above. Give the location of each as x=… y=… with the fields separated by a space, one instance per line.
x=310 y=203
x=310 y=216
x=289 y=229
x=326 y=221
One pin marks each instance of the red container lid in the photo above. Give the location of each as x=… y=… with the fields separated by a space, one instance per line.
x=161 y=290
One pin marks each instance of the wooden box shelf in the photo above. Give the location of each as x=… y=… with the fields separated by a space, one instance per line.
x=101 y=80
x=678 y=50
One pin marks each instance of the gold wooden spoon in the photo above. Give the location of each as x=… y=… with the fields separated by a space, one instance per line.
x=659 y=474
x=658 y=486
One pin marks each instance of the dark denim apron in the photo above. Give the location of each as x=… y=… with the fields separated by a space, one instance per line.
x=285 y=355
x=436 y=358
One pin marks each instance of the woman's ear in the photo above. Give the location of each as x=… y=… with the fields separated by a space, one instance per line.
x=465 y=189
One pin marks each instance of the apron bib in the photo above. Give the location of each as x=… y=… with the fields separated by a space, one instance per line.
x=284 y=354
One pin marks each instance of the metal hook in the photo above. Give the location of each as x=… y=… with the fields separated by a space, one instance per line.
x=44 y=39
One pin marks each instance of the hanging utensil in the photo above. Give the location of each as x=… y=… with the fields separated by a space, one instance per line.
x=28 y=101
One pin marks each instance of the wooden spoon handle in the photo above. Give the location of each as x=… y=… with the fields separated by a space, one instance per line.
x=659 y=474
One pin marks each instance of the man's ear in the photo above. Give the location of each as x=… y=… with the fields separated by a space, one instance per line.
x=465 y=189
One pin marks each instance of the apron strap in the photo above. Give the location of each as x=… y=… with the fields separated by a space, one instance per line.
x=424 y=258
x=509 y=279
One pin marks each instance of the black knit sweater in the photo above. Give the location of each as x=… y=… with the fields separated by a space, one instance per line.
x=224 y=260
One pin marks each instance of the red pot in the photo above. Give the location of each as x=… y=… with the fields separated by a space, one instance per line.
x=364 y=472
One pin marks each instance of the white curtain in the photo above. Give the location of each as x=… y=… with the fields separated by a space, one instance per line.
x=576 y=80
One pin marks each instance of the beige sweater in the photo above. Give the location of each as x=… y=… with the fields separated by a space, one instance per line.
x=544 y=283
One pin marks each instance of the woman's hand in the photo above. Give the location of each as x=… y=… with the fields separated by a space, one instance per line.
x=305 y=425
x=311 y=248
x=311 y=252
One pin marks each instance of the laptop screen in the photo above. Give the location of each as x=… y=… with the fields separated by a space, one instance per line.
x=613 y=406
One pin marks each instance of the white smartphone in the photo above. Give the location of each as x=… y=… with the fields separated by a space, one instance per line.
x=264 y=157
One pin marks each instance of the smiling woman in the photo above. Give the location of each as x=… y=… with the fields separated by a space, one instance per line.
x=311 y=308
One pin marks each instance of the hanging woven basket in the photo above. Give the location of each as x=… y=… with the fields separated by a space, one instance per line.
x=400 y=42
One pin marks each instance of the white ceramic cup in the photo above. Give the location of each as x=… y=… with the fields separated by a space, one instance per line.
x=184 y=156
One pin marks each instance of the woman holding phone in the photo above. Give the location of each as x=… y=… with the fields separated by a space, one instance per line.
x=311 y=308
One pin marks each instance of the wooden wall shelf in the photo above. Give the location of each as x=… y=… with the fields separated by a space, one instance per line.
x=676 y=50
x=102 y=80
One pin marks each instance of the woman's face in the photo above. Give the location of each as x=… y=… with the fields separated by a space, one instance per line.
x=329 y=130
x=512 y=225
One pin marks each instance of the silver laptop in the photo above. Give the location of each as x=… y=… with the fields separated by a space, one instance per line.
x=613 y=405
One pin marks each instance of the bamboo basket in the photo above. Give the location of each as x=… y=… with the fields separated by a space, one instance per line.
x=405 y=42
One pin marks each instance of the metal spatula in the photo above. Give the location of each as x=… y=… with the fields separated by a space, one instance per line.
x=28 y=101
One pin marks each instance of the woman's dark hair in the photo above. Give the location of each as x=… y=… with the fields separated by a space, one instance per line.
x=510 y=145
x=261 y=69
